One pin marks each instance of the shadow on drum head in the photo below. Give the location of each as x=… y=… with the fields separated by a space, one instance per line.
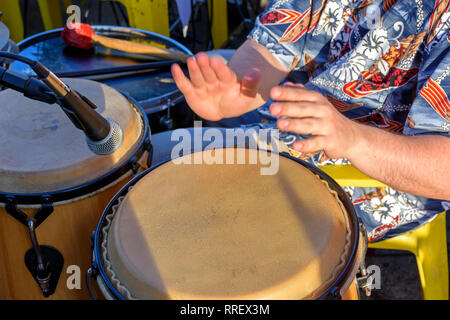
x=185 y=227
x=145 y=254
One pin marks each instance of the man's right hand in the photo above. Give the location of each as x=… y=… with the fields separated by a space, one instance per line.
x=214 y=91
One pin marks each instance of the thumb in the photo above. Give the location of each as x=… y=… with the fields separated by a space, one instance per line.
x=290 y=84
x=249 y=83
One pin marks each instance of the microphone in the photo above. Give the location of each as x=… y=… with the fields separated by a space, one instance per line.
x=30 y=87
x=103 y=136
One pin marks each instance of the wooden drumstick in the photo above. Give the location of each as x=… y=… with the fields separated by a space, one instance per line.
x=81 y=35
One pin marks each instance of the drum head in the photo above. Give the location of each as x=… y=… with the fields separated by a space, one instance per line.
x=226 y=232
x=42 y=151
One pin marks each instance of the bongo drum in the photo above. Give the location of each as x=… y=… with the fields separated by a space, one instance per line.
x=224 y=231
x=155 y=91
x=54 y=189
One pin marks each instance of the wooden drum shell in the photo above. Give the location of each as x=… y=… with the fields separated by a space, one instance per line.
x=78 y=205
x=69 y=229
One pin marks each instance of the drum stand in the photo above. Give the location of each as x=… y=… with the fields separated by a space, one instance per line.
x=166 y=121
x=45 y=263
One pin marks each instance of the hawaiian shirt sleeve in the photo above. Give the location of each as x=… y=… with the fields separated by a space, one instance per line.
x=283 y=26
x=430 y=111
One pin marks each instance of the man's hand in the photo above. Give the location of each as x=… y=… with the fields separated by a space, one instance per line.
x=415 y=164
x=214 y=91
x=308 y=112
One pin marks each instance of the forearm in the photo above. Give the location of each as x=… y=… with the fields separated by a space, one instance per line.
x=418 y=165
x=253 y=55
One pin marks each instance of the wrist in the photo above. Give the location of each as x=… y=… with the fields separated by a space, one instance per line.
x=358 y=143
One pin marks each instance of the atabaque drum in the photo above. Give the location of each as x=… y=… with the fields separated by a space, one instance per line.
x=225 y=231
x=154 y=89
x=53 y=189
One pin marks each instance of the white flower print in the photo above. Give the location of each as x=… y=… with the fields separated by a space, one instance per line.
x=394 y=206
x=446 y=126
x=331 y=20
x=381 y=213
x=383 y=210
x=411 y=209
x=337 y=45
x=351 y=69
x=374 y=44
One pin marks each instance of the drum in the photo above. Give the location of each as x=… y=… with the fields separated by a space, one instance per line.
x=224 y=231
x=53 y=189
x=155 y=91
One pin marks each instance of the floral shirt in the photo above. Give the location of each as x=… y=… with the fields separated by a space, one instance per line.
x=385 y=63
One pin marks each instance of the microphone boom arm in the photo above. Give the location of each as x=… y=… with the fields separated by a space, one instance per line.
x=103 y=136
x=30 y=87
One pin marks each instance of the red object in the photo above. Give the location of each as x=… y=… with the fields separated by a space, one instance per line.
x=78 y=35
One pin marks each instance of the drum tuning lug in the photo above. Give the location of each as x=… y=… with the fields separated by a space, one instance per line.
x=136 y=167
x=92 y=243
x=44 y=263
x=94 y=263
x=149 y=148
x=42 y=214
x=362 y=284
x=363 y=280
x=11 y=208
x=91 y=273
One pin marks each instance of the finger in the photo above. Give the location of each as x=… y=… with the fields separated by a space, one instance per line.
x=301 y=126
x=249 y=83
x=313 y=144
x=287 y=93
x=208 y=73
x=296 y=109
x=293 y=85
x=194 y=73
x=223 y=72
x=181 y=80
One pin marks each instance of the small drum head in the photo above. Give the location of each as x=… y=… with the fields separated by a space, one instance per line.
x=42 y=151
x=226 y=232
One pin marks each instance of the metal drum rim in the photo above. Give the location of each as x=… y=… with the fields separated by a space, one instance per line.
x=25 y=43
x=150 y=105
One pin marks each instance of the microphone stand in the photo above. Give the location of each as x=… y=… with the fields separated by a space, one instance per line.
x=103 y=136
